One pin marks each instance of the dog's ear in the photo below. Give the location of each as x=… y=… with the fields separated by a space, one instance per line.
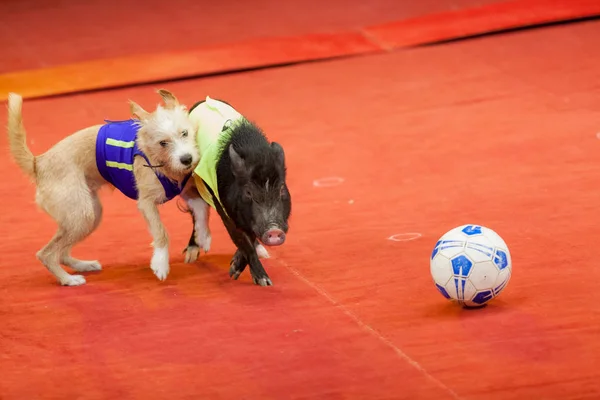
x=169 y=98
x=137 y=111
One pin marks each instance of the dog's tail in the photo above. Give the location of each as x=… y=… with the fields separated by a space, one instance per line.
x=17 y=138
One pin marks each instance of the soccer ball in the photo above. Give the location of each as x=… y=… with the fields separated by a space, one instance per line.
x=470 y=264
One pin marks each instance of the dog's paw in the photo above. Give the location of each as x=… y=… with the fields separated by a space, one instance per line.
x=204 y=239
x=191 y=253
x=85 y=266
x=261 y=251
x=160 y=263
x=73 y=280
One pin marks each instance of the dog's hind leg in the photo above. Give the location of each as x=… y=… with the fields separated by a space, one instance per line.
x=85 y=265
x=49 y=255
x=76 y=213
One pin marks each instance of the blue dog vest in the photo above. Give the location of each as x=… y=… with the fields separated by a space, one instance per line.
x=116 y=148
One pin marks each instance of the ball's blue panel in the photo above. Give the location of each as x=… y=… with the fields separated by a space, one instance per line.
x=461 y=266
x=501 y=259
x=436 y=249
x=443 y=291
x=482 y=297
x=472 y=230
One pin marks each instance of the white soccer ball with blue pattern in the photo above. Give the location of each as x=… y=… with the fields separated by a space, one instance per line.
x=471 y=264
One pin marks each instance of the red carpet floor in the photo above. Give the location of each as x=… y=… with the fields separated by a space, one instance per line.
x=500 y=131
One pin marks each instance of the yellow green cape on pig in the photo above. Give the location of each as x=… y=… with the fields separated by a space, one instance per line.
x=215 y=120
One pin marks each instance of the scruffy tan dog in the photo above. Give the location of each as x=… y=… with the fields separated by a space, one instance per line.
x=149 y=158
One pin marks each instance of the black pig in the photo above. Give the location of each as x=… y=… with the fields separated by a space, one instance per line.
x=253 y=199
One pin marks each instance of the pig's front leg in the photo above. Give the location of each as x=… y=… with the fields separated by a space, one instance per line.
x=237 y=265
x=239 y=262
x=246 y=253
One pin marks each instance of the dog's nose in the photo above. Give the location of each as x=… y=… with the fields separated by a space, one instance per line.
x=186 y=159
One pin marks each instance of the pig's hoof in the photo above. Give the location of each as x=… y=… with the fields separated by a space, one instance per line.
x=234 y=272
x=264 y=281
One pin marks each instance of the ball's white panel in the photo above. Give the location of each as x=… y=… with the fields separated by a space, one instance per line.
x=470 y=291
x=479 y=249
x=502 y=281
x=484 y=275
x=452 y=248
x=451 y=244
x=460 y=289
x=440 y=268
x=451 y=288
x=499 y=244
x=494 y=238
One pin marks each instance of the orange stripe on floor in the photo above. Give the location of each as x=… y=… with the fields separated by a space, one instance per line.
x=141 y=69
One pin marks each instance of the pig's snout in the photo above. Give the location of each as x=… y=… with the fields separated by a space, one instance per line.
x=273 y=237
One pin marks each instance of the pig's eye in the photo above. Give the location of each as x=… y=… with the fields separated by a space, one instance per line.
x=247 y=193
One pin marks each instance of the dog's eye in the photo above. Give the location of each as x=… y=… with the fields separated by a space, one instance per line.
x=163 y=143
x=282 y=191
x=184 y=133
x=248 y=193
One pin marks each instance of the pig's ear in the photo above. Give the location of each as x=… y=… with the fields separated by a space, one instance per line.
x=278 y=150
x=237 y=162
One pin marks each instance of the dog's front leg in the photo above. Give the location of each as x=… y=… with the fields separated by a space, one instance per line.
x=201 y=235
x=160 y=257
x=150 y=194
